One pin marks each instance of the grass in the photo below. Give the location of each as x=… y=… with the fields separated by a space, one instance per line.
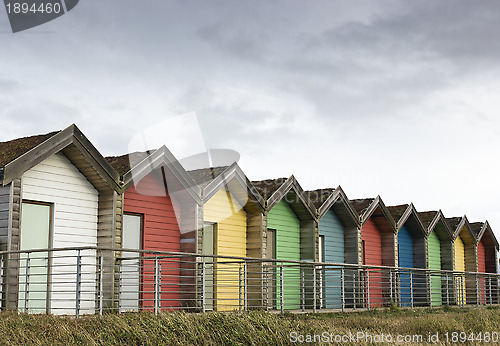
x=252 y=328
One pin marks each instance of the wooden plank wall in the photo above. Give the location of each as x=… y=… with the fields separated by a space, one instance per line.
x=12 y=289
x=231 y=240
x=5 y=207
x=160 y=233
x=75 y=211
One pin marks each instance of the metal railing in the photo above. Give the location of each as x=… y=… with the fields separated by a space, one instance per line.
x=94 y=280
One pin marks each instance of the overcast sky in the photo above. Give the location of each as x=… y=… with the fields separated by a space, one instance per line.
x=397 y=98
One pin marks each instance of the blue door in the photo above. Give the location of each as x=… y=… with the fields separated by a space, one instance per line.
x=405 y=253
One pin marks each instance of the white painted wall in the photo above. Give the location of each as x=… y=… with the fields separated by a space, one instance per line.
x=56 y=180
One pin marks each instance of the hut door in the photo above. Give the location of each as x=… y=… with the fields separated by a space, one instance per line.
x=130 y=270
x=209 y=248
x=321 y=274
x=271 y=275
x=34 y=267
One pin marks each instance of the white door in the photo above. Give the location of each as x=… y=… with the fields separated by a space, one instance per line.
x=34 y=267
x=209 y=233
x=130 y=278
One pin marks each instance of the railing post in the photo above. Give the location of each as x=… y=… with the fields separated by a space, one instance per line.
x=240 y=289
x=477 y=290
x=267 y=288
x=203 y=283
x=367 y=289
x=429 y=280
x=302 y=289
x=100 y=283
x=245 y=286
x=78 y=282
x=489 y=290
x=447 y=289
x=342 y=284
x=282 y=307
x=156 y=295
x=390 y=288
x=26 y=282
x=314 y=288
x=354 y=284
x=411 y=289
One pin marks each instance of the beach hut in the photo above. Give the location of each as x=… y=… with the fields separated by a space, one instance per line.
x=412 y=241
x=56 y=191
x=232 y=226
x=378 y=248
x=439 y=255
x=159 y=214
x=487 y=249
x=465 y=259
x=338 y=243
x=290 y=234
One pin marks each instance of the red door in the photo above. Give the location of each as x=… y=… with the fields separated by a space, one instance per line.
x=481 y=264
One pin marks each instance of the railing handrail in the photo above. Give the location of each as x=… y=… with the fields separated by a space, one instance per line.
x=307 y=263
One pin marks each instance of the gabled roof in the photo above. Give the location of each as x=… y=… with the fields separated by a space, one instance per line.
x=123 y=164
x=237 y=183
x=274 y=190
x=397 y=211
x=336 y=199
x=11 y=150
x=435 y=221
x=476 y=228
x=457 y=224
x=486 y=230
x=174 y=175
x=20 y=155
x=427 y=217
x=204 y=176
x=267 y=187
x=360 y=205
x=367 y=207
x=406 y=214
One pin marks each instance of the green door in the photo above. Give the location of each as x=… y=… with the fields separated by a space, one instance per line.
x=435 y=263
x=287 y=226
x=34 y=267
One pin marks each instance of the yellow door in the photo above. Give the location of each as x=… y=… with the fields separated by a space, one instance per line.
x=230 y=240
x=460 y=266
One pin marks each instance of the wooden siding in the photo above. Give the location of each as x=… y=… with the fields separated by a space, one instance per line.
x=224 y=210
x=160 y=232
x=75 y=208
x=434 y=250
x=461 y=295
x=287 y=226
x=5 y=215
